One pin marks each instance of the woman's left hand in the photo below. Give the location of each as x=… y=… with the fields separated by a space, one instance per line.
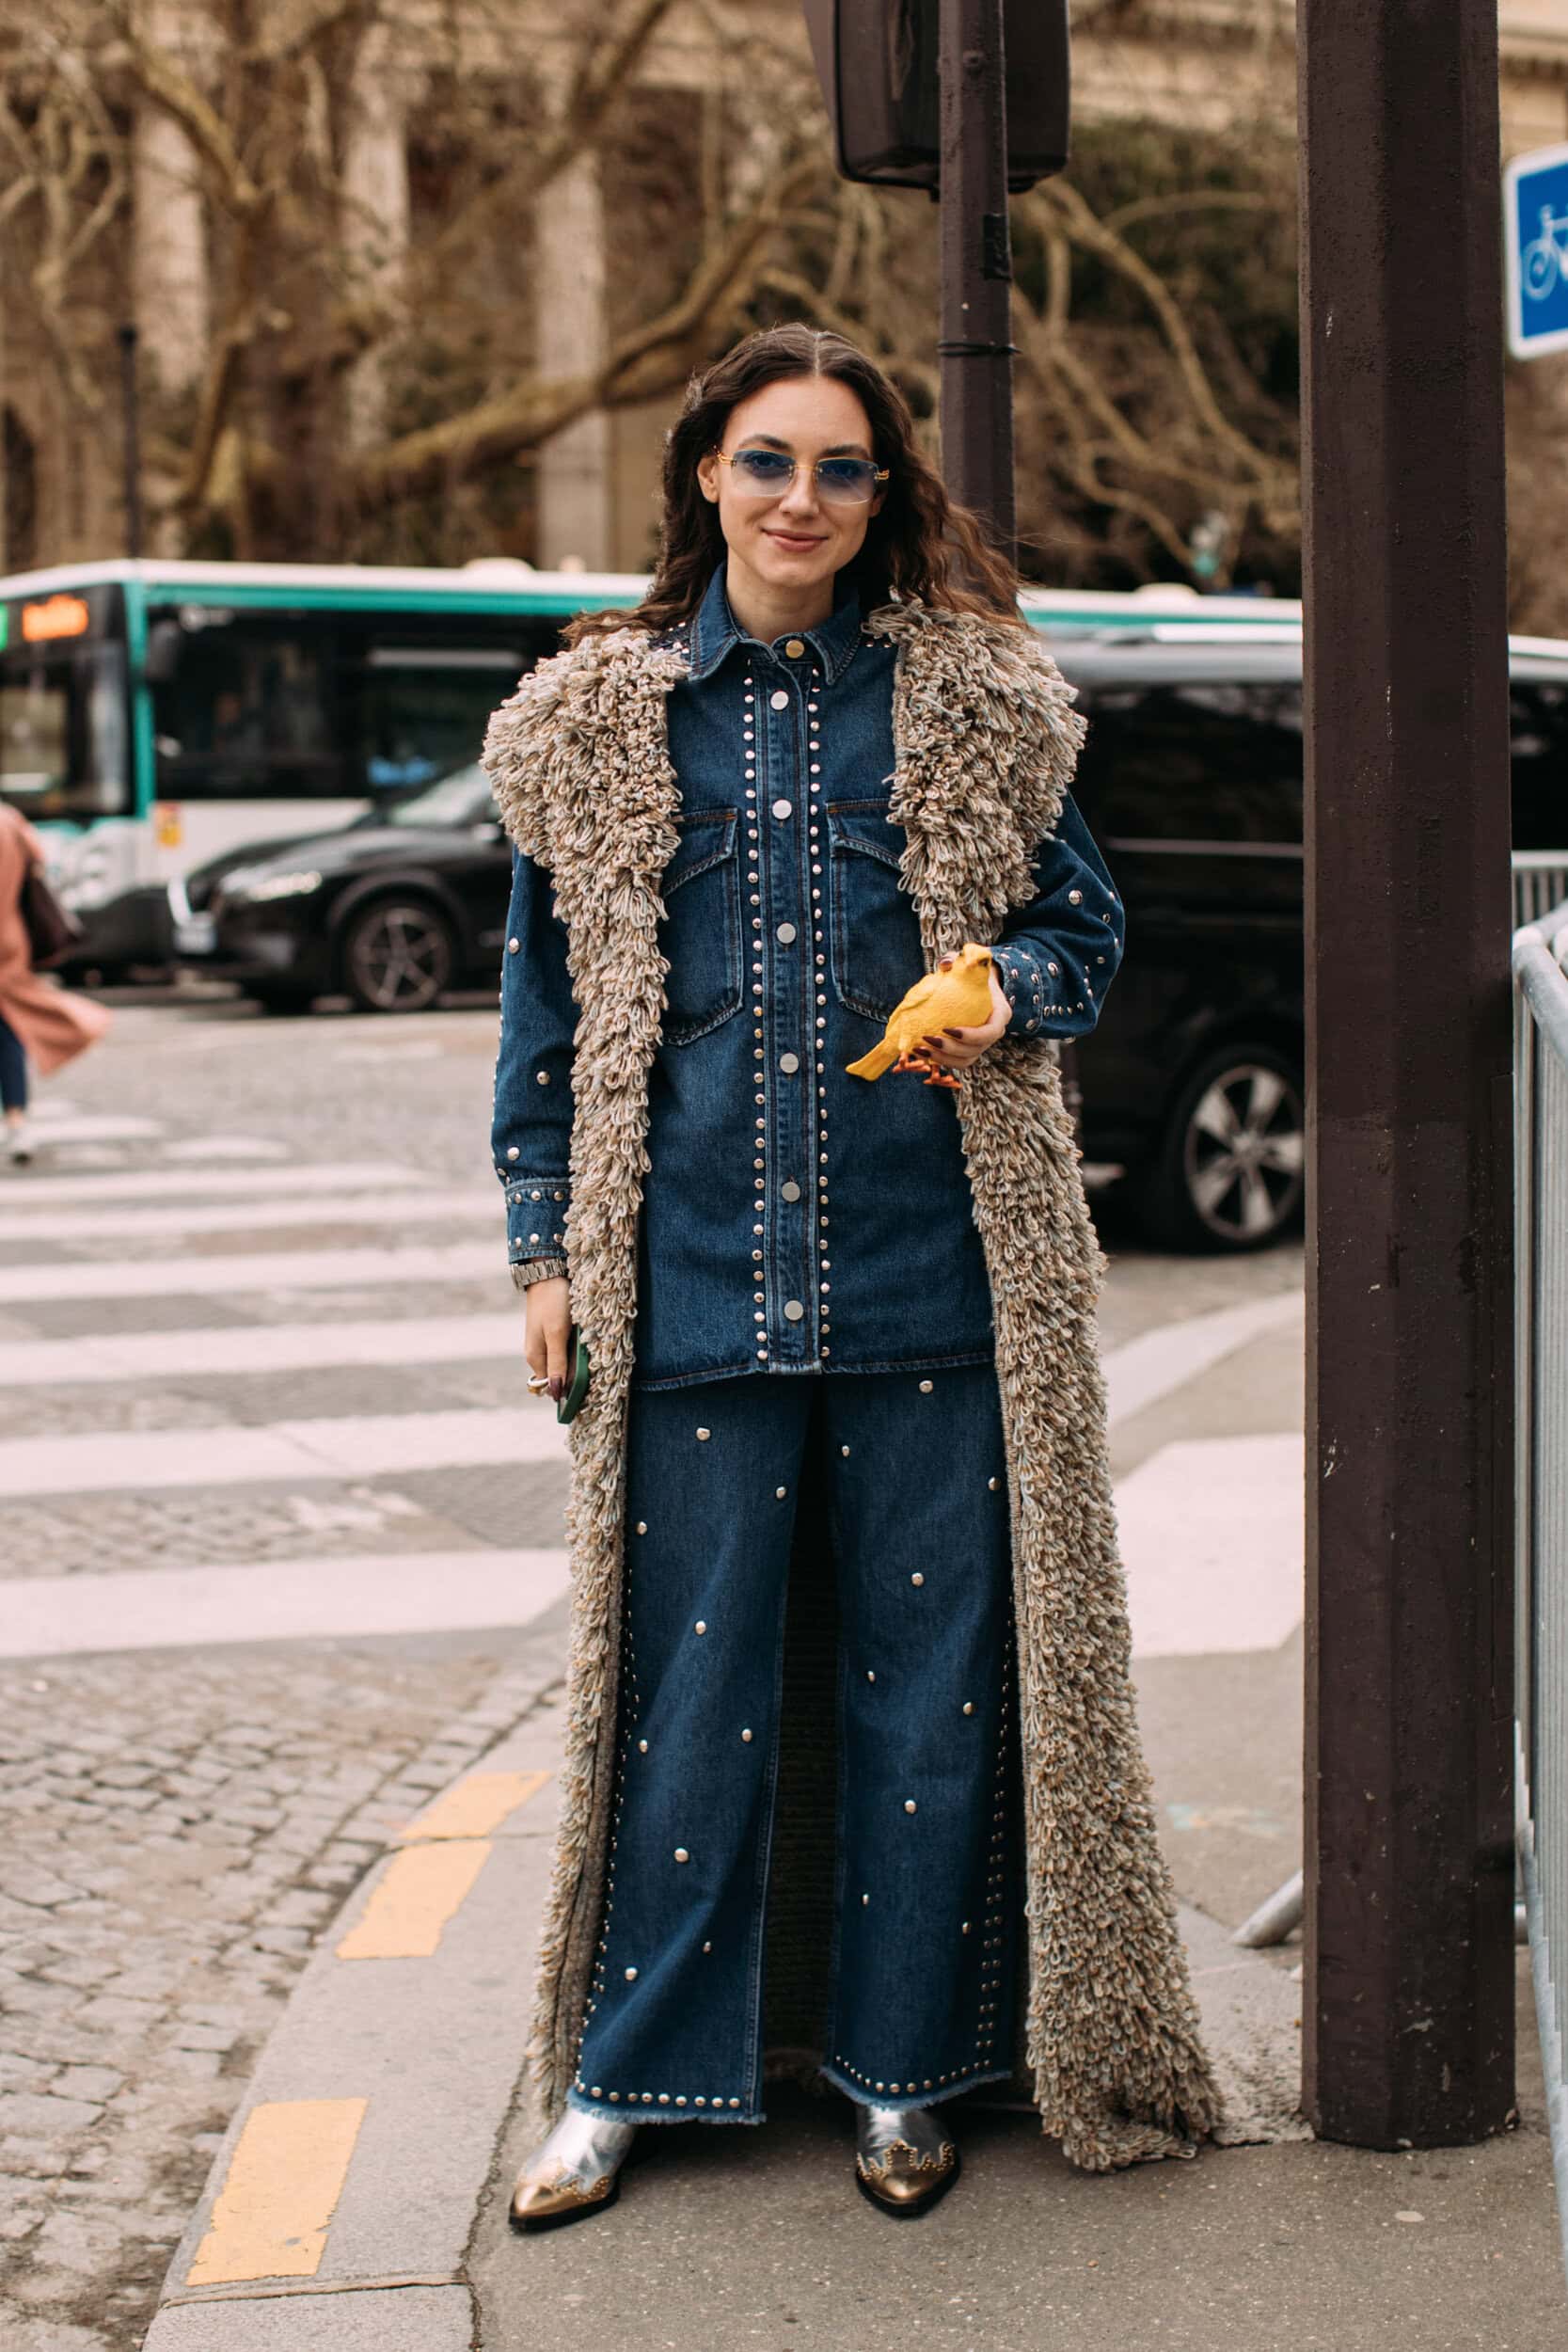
x=955 y=1049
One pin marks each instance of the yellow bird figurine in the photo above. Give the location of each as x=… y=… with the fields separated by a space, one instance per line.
x=957 y=997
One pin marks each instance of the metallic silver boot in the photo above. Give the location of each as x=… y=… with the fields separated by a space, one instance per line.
x=572 y=2173
x=904 y=2160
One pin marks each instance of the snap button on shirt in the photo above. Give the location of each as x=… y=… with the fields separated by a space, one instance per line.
x=794 y=647
x=782 y=809
x=779 y=700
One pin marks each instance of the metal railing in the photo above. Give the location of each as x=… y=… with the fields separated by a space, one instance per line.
x=1539 y=884
x=1541 y=1254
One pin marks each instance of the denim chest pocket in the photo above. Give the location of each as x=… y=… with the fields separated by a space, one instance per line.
x=700 y=935
x=876 y=933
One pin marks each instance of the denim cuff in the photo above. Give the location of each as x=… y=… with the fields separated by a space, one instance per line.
x=1028 y=983
x=536 y=1208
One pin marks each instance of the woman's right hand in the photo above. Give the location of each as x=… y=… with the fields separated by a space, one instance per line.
x=547 y=1325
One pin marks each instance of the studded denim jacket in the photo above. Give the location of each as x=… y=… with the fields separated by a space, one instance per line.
x=794 y=1218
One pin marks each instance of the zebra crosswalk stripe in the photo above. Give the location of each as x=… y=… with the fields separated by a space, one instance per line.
x=389 y=1211
x=279 y=1600
x=255 y=1270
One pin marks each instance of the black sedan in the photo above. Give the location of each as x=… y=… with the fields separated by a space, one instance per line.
x=391 y=910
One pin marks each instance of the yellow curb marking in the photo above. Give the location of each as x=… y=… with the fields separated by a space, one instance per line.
x=284 y=2180
x=476 y=1805
x=408 y=1908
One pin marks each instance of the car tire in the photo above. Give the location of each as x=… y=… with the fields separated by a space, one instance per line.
x=397 y=955
x=1229 y=1172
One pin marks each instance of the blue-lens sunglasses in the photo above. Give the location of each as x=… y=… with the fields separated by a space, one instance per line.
x=767 y=473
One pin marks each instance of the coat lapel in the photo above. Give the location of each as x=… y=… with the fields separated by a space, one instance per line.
x=986 y=740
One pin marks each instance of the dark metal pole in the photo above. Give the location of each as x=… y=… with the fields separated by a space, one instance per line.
x=131 y=446
x=977 y=347
x=1409 y=1991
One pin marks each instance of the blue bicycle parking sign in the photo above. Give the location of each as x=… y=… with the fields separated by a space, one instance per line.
x=1535 y=228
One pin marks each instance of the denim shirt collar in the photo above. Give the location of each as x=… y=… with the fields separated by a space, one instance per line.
x=714 y=633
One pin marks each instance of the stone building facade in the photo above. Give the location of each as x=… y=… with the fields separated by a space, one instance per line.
x=1207 y=63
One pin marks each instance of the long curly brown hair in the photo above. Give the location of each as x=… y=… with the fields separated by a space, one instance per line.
x=920 y=542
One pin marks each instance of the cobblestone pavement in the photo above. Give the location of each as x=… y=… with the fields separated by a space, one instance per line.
x=180 y=1824
x=175 y=1830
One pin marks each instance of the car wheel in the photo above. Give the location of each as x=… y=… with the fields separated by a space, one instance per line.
x=397 y=956
x=1230 y=1170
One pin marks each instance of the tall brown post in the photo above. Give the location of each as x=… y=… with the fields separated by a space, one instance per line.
x=1409 y=1992
x=977 y=346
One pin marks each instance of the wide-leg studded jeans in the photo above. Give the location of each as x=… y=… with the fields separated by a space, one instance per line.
x=921 y=1977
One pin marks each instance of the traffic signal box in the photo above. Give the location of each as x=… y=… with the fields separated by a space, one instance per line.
x=877 y=62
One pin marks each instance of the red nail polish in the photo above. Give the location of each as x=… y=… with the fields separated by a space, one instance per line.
x=558 y=1390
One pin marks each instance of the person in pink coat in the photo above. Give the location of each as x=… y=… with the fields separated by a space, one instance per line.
x=39 y=1022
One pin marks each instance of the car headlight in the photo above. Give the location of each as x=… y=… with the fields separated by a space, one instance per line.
x=291 y=885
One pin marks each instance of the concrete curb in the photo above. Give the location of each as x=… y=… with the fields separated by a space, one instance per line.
x=338 y=2208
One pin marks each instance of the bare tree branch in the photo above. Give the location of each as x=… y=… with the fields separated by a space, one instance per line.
x=646 y=360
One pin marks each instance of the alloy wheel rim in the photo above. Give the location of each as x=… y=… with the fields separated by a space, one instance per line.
x=1244 y=1153
x=400 y=959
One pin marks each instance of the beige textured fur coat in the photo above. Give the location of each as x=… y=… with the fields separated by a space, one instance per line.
x=985 y=741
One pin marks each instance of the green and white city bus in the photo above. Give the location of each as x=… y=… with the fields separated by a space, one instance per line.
x=154 y=715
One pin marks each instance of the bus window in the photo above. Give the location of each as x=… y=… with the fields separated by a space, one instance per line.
x=418 y=689
x=63 y=751
x=426 y=707
x=247 y=714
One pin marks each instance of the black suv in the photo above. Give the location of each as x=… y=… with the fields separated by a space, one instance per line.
x=1191 y=782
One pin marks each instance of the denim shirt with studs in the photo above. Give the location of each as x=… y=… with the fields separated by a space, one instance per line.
x=794 y=1218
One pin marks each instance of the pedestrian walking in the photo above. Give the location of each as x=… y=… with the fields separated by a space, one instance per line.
x=853 y=1790
x=40 y=1021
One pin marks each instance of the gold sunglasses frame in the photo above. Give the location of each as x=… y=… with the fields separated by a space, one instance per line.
x=879 y=474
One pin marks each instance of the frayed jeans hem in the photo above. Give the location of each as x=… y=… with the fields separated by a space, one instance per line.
x=623 y=2113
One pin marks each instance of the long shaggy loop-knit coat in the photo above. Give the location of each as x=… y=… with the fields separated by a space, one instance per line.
x=986 y=742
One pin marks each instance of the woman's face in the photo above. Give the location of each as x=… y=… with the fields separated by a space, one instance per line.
x=791 y=541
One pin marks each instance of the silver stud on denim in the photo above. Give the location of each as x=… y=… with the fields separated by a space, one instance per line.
x=702 y=1625
x=704 y=1433
x=681 y=1854
x=925 y=1386
x=908 y=1804
x=631 y=1976
x=917 y=1578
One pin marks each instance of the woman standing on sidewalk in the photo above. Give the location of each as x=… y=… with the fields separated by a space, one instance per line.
x=38 y=1021
x=853 y=1786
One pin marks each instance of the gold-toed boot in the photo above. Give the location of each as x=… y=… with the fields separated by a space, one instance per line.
x=574 y=2173
x=904 y=2160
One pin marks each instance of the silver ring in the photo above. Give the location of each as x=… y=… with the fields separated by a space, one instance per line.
x=537 y=1384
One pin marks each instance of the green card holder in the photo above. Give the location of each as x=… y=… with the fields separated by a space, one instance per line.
x=577 y=1388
